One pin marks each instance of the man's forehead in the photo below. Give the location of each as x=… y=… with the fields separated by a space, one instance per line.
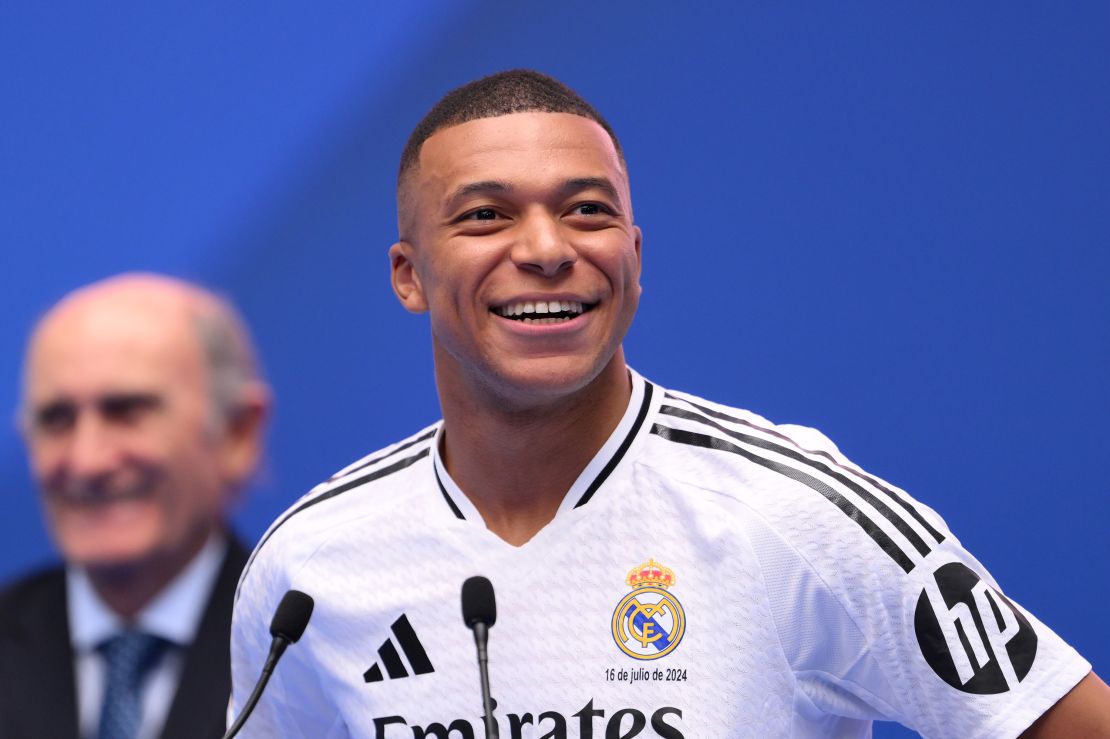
x=113 y=344
x=483 y=147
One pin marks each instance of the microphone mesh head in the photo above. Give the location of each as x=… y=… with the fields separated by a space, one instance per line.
x=291 y=616
x=478 y=605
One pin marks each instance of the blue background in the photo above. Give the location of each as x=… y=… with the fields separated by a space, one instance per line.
x=885 y=220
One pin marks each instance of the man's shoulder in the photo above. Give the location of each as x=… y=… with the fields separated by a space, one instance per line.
x=413 y=447
x=718 y=410
x=373 y=471
x=790 y=483
x=375 y=483
x=36 y=583
x=698 y=426
x=375 y=486
x=41 y=588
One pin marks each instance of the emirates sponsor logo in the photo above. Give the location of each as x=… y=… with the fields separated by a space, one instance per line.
x=587 y=723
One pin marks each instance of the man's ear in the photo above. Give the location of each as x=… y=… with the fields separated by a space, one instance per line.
x=405 y=279
x=242 y=442
x=639 y=256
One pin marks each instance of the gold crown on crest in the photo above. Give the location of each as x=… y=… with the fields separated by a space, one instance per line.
x=650 y=573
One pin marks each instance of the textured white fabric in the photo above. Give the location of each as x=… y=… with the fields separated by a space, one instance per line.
x=798 y=578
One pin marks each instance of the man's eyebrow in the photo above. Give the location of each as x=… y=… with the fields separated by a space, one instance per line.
x=569 y=187
x=479 y=188
x=578 y=184
x=119 y=401
x=53 y=406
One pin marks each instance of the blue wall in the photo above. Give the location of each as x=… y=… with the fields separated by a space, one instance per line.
x=880 y=219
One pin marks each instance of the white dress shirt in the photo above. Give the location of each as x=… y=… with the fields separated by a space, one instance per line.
x=174 y=615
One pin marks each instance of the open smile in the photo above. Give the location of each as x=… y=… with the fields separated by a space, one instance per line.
x=543 y=311
x=92 y=498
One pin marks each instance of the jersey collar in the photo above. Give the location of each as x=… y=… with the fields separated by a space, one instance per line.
x=607 y=459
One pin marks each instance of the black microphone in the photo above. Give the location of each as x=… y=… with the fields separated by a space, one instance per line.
x=479 y=611
x=289 y=622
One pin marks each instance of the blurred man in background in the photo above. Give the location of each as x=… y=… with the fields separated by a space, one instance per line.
x=143 y=413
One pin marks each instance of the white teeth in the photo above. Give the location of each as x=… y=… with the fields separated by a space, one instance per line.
x=540 y=307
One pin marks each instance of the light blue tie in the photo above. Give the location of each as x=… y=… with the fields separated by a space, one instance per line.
x=128 y=657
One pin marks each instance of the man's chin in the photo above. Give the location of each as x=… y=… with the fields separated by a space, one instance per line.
x=540 y=383
x=545 y=379
x=114 y=543
x=120 y=559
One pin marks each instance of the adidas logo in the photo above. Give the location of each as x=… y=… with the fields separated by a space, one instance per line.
x=394 y=667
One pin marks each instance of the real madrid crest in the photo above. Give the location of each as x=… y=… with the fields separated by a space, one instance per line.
x=649 y=622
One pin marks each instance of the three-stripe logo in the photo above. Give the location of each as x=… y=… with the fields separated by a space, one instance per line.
x=413 y=650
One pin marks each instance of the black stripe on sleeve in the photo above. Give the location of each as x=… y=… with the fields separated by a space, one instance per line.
x=902 y=502
x=899 y=523
x=350 y=484
x=380 y=457
x=411 y=646
x=612 y=463
x=846 y=506
x=337 y=490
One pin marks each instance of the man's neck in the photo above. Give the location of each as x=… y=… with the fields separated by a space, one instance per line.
x=517 y=465
x=127 y=589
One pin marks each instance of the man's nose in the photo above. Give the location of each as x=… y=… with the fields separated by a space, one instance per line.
x=93 y=451
x=543 y=247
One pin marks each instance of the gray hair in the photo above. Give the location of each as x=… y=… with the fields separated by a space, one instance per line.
x=230 y=358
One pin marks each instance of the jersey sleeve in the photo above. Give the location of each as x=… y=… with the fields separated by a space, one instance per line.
x=911 y=627
x=294 y=703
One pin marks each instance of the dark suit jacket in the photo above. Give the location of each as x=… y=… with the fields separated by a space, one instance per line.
x=38 y=694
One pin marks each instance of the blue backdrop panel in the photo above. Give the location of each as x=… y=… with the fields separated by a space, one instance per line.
x=882 y=220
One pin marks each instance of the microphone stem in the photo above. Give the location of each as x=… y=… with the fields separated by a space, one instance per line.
x=481 y=632
x=277 y=648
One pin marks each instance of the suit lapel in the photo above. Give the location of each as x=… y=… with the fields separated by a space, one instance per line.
x=199 y=707
x=36 y=663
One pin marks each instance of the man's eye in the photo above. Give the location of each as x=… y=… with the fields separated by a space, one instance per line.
x=55 y=417
x=482 y=214
x=591 y=209
x=128 y=408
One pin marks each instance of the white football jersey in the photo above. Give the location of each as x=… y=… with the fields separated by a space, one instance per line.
x=709 y=574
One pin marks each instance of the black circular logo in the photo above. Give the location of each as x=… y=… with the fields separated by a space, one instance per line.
x=971 y=635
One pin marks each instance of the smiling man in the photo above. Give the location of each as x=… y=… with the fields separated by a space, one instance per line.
x=664 y=565
x=142 y=413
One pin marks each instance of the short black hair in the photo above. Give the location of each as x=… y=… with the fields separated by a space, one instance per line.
x=503 y=93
